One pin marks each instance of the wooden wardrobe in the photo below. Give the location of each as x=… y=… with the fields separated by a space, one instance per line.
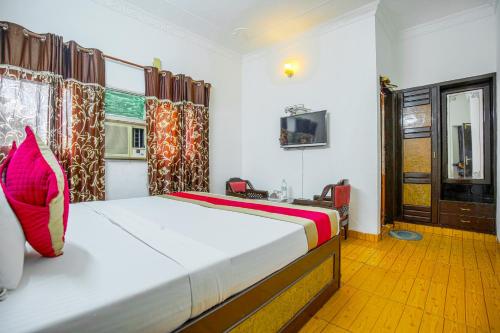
x=440 y=151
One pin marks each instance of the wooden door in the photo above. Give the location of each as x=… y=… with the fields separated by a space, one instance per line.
x=390 y=160
x=416 y=154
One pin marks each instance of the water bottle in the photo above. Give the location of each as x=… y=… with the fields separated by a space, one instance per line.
x=284 y=190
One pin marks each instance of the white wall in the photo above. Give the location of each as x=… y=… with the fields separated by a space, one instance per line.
x=385 y=67
x=454 y=47
x=128 y=37
x=337 y=72
x=125 y=179
x=385 y=39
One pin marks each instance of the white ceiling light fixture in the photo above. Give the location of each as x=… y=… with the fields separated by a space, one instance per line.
x=240 y=32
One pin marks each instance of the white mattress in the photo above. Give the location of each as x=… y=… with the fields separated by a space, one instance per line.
x=106 y=281
x=224 y=251
x=146 y=264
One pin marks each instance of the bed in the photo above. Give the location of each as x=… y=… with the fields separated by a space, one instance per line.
x=158 y=265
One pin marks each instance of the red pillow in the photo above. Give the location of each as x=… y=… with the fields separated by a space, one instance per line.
x=342 y=195
x=37 y=190
x=238 y=187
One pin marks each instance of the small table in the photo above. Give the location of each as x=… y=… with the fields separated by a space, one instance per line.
x=313 y=203
x=288 y=200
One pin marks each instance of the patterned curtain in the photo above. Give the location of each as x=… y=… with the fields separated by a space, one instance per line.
x=57 y=89
x=163 y=141
x=85 y=168
x=195 y=138
x=177 y=125
x=84 y=73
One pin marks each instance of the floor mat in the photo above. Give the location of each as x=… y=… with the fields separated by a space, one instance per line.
x=405 y=235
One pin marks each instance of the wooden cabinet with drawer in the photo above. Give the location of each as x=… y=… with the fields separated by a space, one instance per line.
x=467 y=215
x=439 y=146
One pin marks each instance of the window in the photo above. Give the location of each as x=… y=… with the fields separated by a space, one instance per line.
x=125 y=125
x=23 y=103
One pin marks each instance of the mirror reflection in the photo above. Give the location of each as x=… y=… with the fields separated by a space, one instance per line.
x=465 y=135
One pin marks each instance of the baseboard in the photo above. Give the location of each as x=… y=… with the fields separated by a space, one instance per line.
x=444 y=231
x=423 y=229
x=364 y=236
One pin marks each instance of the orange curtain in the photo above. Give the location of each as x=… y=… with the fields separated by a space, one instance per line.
x=163 y=146
x=177 y=124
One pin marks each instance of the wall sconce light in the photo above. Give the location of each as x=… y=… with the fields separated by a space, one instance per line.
x=289 y=69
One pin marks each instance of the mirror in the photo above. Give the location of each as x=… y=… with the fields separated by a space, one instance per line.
x=465 y=127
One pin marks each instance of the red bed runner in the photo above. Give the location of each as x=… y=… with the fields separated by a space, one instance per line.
x=323 y=220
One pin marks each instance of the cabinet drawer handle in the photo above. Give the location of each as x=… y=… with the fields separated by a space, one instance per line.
x=465 y=209
x=465 y=221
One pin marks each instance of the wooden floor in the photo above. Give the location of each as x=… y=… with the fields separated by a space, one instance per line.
x=439 y=284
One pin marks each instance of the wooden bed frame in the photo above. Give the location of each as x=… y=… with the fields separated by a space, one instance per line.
x=240 y=307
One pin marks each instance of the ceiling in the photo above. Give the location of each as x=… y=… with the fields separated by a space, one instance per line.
x=247 y=25
x=409 y=13
x=263 y=21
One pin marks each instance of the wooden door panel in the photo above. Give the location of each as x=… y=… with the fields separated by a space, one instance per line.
x=417 y=116
x=417 y=195
x=417 y=155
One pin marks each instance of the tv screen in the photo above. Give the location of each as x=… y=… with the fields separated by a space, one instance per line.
x=307 y=129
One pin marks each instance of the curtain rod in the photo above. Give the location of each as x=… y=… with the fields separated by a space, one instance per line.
x=136 y=65
x=124 y=61
x=26 y=32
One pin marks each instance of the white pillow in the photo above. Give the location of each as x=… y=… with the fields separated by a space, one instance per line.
x=11 y=246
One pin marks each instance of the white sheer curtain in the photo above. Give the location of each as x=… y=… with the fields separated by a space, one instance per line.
x=23 y=103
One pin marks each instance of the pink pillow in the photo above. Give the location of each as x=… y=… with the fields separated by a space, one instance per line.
x=238 y=187
x=37 y=190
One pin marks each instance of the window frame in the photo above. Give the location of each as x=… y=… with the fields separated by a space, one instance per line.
x=130 y=123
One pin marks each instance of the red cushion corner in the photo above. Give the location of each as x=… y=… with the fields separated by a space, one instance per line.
x=238 y=187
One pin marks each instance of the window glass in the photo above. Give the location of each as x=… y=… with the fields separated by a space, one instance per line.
x=124 y=104
x=23 y=103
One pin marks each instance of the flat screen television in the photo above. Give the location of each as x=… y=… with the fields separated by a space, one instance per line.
x=304 y=130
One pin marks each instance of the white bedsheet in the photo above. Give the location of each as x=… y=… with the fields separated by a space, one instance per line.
x=146 y=264
x=224 y=252
x=106 y=281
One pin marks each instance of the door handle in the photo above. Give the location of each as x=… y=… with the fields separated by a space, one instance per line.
x=464 y=221
x=465 y=209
